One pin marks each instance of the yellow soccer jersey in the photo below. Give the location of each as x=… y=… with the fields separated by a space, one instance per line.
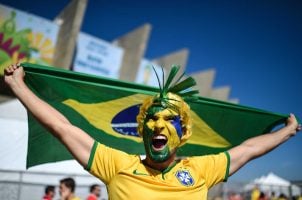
x=127 y=177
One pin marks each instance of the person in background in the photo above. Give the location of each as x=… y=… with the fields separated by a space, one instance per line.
x=49 y=192
x=95 y=192
x=273 y=196
x=255 y=193
x=282 y=197
x=67 y=189
x=262 y=196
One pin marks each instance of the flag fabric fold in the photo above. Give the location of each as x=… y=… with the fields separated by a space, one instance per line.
x=106 y=109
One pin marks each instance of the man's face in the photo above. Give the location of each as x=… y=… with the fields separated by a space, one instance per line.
x=51 y=194
x=97 y=191
x=64 y=190
x=162 y=133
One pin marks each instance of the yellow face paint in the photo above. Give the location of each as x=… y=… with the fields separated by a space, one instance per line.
x=163 y=123
x=178 y=106
x=161 y=133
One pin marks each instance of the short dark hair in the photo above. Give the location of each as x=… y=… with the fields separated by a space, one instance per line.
x=92 y=187
x=49 y=188
x=69 y=182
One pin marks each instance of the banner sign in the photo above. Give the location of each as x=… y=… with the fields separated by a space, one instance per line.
x=146 y=75
x=98 y=57
x=25 y=37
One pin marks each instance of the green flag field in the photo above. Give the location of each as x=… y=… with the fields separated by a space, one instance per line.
x=106 y=109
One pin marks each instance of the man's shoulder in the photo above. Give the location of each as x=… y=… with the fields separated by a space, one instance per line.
x=46 y=197
x=91 y=197
x=205 y=159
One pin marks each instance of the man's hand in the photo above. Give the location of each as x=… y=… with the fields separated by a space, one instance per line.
x=292 y=125
x=14 y=75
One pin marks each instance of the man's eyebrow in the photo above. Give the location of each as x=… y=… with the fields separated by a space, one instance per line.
x=150 y=115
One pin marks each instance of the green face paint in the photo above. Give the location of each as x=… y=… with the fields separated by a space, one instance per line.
x=157 y=156
x=160 y=134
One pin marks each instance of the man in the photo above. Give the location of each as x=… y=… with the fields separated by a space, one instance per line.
x=95 y=192
x=255 y=193
x=49 y=192
x=67 y=188
x=165 y=124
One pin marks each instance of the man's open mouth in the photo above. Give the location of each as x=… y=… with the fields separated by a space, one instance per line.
x=159 y=142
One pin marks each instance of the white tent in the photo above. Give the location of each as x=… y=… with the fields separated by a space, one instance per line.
x=13 y=135
x=273 y=183
x=272 y=179
x=13 y=150
x=13 y=142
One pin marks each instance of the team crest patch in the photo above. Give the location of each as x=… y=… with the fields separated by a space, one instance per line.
x=184 y=177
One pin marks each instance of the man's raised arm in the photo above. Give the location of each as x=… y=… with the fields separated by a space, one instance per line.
x=260 y=145
x=78 y=142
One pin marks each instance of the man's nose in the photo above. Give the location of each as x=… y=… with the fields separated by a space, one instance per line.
x=159 y=125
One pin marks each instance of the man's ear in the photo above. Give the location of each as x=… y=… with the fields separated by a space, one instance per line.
x=186 y=135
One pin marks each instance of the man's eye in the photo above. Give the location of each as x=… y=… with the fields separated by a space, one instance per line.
x=171 y=118
x=151 y=117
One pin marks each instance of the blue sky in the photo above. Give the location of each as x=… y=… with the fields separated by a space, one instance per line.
x=255 y=47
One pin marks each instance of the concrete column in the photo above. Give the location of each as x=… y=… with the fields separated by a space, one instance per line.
x=221 y=93
x=204 y=80
x=179 y=57
x=134 y=44
x=234 y=100
x=70 y=19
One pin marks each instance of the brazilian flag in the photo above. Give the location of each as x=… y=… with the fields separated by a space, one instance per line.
x=106 y=109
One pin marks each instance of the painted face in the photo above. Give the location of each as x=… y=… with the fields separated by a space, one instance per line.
x=162 y=133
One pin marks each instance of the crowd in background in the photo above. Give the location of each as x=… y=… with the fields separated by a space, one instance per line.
x=67 y=191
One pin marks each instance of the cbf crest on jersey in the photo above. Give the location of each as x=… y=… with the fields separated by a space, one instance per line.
x=184 y=177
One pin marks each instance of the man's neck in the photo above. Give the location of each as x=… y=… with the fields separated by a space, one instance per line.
x=69 y=197
x=161 y=166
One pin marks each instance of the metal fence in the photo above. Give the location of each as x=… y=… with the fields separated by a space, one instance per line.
x=26 y=185
x=242 y=191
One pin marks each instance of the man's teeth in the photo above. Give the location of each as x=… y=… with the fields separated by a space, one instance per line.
x=160 y=137
x=159 y=142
